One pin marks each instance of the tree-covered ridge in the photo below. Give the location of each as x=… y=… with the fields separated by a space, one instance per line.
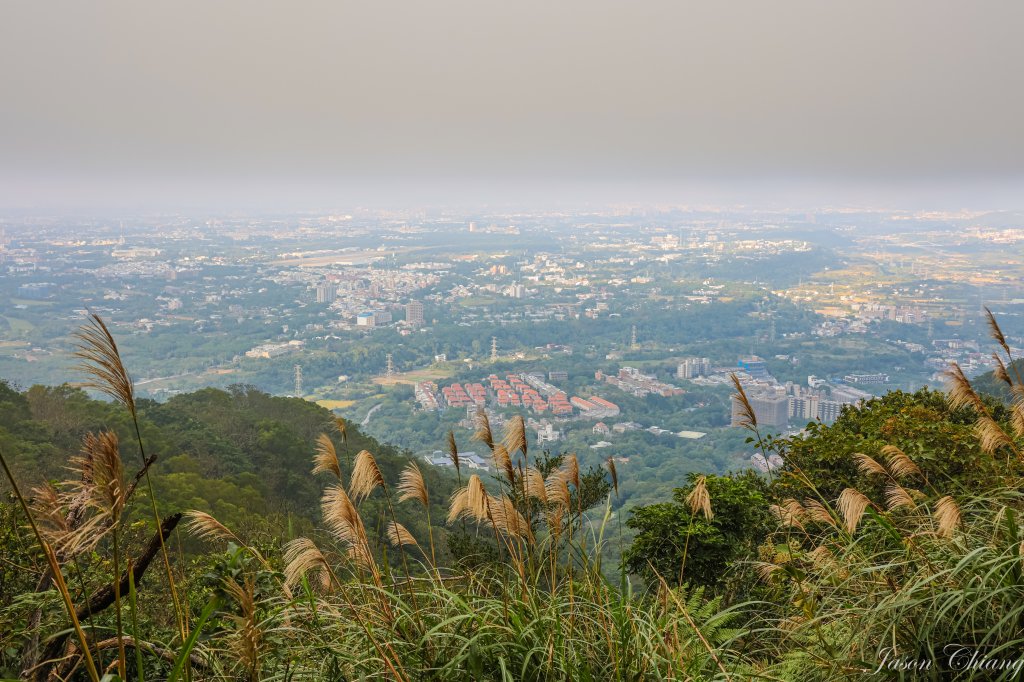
x=239 y=453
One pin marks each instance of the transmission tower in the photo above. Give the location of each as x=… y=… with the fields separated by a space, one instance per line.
x=390 y=371
x=494 y=349
x=632 y=339
x=771 y=330
x=298 y=380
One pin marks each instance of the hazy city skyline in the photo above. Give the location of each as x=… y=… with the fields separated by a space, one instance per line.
x=266 y=104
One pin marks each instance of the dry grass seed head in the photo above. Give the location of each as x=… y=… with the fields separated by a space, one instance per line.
x=699 y=500
x=748 y=419
x=103 y=480
x=556 y=489
x=398 y=535
x=52 y=521
x=947 y=516
x=483 y=429
x=326 y=458
x=411 y=485
x=201 y=525
x=302 y=557
x=995 y=331
x=1000 y=372
x=790 y=513
x=991 y=436
x=900 y=463
x=361 y=556
x=614 y=473
x=341 y=516
x=247 y=639
x=507 y=519
x=100 y=360
x=896 y=496
x=851 y=506
x=767 y=570
x=554 y=516
x=791 y=624
x=48 y=508
x=821 y=557
x=869 y=466
x=1017 y=417
x=453 y=450
x=534 y=482
x=366 y=476
x=959 y=392
x=469 y=501
x=503 y=462
x=818 y=513
x=341 y=426
x=515 y=435
x=571 y=466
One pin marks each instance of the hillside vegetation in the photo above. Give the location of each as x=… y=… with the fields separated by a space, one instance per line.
x=267 y=540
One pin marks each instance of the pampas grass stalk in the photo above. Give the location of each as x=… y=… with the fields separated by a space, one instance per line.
x=851 y=504
x=748 y=420
x=698 y=500
x=483 y=429
x=365 y=478
x=100 y=360
x=411 y=486
x=326 y=458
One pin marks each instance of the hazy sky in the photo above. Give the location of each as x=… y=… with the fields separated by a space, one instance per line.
x=200 y=100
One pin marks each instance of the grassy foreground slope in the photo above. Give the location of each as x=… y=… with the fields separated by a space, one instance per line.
x=884 y=540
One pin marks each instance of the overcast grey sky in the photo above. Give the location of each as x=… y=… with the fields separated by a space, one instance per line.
x=110 y=101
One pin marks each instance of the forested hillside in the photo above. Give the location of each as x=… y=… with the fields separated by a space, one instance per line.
x=240 y=454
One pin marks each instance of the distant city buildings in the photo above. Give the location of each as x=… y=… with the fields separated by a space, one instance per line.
x=165 y=284
x=528 y=391
x=632 y=381
x=273 y=350
x=414 y=313
x=769 y=410
x=134 y=252
x=545 y=429
x=866 y=378
x=780 y=406
x=516 y=291
x=37 y=291
x=693 y=367
x=326 y=292
x=896 y=313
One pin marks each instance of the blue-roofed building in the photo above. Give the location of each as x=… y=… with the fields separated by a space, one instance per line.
x=754 y=366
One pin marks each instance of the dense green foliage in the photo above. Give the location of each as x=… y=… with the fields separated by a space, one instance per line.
x=680 y=545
